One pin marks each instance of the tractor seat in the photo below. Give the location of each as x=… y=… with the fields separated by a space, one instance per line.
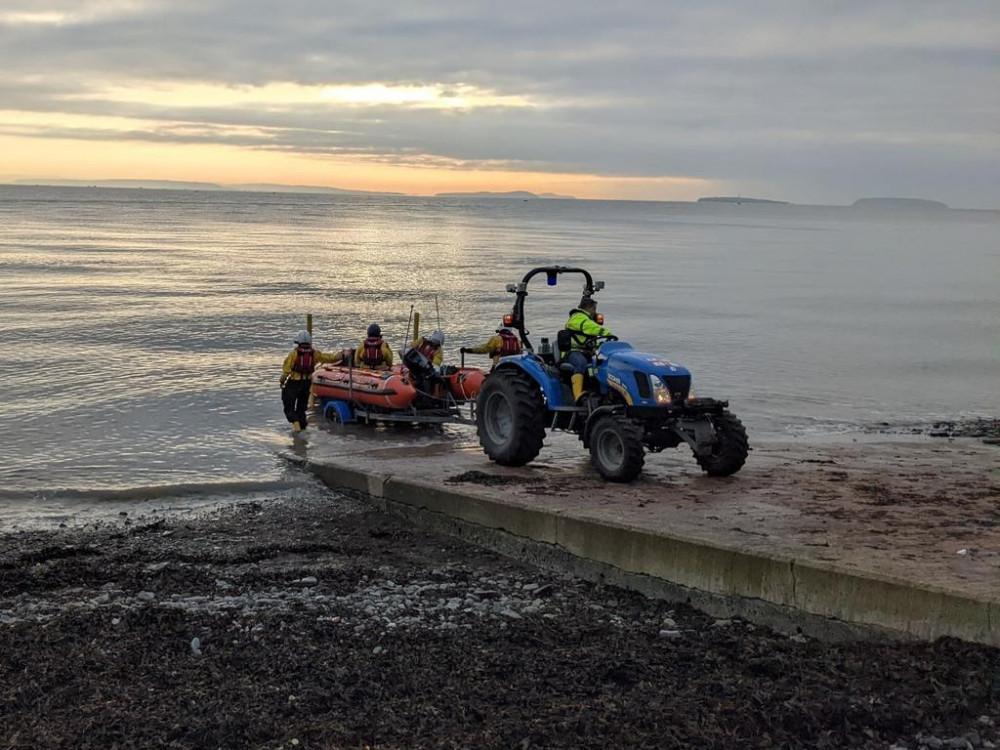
x=563 y=346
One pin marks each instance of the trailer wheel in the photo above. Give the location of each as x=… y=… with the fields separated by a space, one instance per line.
x=616 y=449
x=510 y=417
x=339 y=412
x=730 y=450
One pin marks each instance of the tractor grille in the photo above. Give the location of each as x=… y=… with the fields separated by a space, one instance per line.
x=679 y=385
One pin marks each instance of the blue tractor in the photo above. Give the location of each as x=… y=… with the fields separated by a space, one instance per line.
x=636 y=402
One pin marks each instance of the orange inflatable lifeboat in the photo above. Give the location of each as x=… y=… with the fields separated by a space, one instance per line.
x=387 y=389
x=391 y=389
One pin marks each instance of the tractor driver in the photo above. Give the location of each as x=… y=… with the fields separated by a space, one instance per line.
x=584 y=330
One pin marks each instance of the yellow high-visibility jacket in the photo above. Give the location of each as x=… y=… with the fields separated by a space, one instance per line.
x=319 y=358
x=438 y=357
x=493 y=347
x=584 y=330
x=386 y=356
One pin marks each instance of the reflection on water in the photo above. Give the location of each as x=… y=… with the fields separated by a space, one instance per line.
x=142 y=332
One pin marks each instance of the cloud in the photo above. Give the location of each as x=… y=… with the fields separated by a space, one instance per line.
x=821 y=101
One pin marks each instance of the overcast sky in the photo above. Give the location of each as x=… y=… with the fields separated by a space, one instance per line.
x=818 y=102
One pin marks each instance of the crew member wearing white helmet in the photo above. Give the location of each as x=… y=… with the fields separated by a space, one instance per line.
x=296 y=378
x=431 y=347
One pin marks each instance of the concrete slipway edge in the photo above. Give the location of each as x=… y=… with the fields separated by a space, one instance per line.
x=789 y=594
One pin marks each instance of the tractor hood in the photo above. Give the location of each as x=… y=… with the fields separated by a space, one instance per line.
x=620 y=354
x=628 y=371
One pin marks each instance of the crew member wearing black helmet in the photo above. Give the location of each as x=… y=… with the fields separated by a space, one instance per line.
x=373 y=352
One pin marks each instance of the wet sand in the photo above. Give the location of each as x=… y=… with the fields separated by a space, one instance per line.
x=318 y=622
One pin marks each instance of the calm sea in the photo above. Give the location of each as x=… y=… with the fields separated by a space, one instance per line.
x=142 y=331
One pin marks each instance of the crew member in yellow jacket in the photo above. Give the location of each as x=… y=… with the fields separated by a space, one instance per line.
x=431 y=347
x=584 y=334
x=373 y=352
x=296 y=378
x=504 y=344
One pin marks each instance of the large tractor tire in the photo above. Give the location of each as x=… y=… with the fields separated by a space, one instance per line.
x=616 y=449
x=730 y=450
x=510 y=417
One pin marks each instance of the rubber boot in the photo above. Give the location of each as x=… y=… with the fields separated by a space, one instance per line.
x=577 y=382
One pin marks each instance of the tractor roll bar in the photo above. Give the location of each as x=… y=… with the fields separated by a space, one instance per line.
x=551 y=273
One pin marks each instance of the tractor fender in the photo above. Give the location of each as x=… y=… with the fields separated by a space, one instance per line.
x=536 y=369
x=595 y=415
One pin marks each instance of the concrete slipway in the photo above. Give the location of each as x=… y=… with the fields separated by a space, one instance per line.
x=844 y=539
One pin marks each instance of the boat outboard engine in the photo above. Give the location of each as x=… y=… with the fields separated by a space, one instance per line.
x=425 y=375
x=417 y=363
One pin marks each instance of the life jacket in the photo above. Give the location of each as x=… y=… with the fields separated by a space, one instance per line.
x=372 y=355
x=305 y=361
x=509 y=344
x=428 y=349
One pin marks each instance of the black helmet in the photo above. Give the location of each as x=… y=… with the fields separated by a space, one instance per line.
x=587 y=302
x=374 y=331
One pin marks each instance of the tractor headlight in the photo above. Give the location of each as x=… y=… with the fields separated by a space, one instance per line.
x=661 y=394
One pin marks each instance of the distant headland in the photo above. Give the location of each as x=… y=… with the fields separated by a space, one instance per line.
x=897 y=203
x=523 y=195
x=739 y=199
x=255 y=187
x=510 y=194
x=267 y=187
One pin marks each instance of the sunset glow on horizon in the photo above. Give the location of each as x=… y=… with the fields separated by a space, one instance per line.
x=74 y=146
x=650 y=101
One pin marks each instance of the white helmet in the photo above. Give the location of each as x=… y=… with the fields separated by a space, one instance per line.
x=437 y=338
x=304 y=337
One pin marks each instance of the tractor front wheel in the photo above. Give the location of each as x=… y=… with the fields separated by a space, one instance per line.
x=730 y=450
x=510 y=417
x=616 y=449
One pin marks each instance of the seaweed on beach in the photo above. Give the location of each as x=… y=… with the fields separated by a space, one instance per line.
x=320 y=623
x=486 y=479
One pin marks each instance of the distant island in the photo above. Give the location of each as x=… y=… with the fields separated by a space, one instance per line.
x=739 y=199
x=897 y=203
x=511 y=194
x=256 y=187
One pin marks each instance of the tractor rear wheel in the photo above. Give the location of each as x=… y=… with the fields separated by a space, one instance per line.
x=510 y=417
x=730 y=450
x=616 y=449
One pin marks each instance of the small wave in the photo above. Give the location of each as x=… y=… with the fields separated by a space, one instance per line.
x=154 y=492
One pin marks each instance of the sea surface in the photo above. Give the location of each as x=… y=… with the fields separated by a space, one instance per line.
x=142 y=331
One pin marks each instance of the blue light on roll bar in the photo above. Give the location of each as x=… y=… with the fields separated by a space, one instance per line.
x=551 y=277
